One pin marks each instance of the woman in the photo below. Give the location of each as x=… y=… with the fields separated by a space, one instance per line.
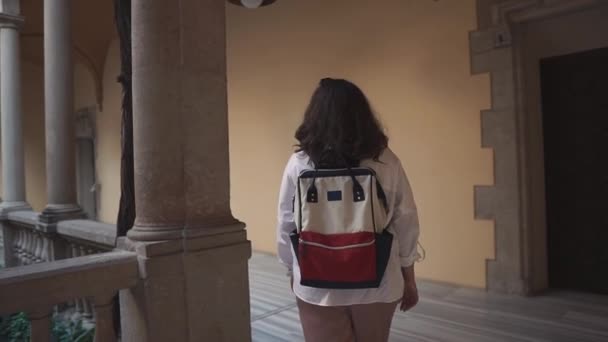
x=339 y=127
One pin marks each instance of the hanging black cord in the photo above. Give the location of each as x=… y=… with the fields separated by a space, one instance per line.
x=126 y=210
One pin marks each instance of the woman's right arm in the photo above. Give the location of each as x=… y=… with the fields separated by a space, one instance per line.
x=406 y=226
x=405 y=220
x=285 y=219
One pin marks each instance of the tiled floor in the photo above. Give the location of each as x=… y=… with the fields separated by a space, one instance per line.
x=445 y=313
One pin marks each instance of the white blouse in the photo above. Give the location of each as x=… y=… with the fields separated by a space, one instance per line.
x=403 y=219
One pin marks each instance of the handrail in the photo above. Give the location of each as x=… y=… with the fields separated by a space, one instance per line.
x=37 y=288
x=26 y=243
x=29 y=288
x=88 y=231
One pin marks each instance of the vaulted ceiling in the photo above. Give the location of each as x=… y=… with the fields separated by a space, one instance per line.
x=92 y=26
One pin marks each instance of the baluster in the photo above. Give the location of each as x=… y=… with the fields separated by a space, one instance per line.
x=31 y=251
x=41 y=326
x=21 y=245
x=50 y=250
x=77 y=302
x=17 y=245
x=23 y=249
x=90 y=301
x=41 y=255
x=71 y=251
x=22 y=242
x=28 y=247
x=86 y=304
x=45 y=254
x=38 y=247
x=88 y=309
x=31 y=257
x=34 y=247
x=104 y=326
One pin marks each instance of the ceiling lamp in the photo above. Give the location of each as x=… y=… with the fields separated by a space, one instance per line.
x=252 y=3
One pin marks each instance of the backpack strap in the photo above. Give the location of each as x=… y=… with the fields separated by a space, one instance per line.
x=381 y=195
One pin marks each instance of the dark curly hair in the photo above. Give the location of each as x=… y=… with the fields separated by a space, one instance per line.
x=339 y=126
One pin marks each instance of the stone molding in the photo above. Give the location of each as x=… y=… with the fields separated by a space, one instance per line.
x=11 y=21
x=494 y=50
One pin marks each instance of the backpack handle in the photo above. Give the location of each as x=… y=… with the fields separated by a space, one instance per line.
x=312 y=194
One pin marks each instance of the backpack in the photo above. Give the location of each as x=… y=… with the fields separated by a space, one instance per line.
x=340 y=240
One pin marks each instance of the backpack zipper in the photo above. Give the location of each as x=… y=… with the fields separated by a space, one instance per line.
x=365 y=244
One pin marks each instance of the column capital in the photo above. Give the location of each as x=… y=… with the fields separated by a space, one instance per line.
x=11 y=21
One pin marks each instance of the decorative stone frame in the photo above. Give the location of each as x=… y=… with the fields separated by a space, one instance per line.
x=86 y=130
x=513 y=202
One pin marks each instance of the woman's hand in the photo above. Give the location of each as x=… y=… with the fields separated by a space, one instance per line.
x=410 y=296
x=410 y=290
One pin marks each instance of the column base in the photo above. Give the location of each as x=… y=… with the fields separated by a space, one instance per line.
x=9 y=207
x=52 y=214
x=190 y=290
x=146 y=233
x=163 y=233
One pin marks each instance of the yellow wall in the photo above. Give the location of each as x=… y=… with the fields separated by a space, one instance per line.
x=84 y=88
x=108 y=139
x=411 y=58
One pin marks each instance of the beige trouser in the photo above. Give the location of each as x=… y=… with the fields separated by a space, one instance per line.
x=353 y=323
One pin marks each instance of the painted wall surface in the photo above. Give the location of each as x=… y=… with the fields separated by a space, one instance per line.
x=411 y=58
x=84 y=88
x=108 y=139
x=32 y=84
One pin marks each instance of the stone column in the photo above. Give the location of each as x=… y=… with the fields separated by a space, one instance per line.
x=193 y=253
x=13 y=171
x=59 y=113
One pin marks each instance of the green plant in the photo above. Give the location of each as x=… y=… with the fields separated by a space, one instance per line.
x=72 y=331
x=15 y=328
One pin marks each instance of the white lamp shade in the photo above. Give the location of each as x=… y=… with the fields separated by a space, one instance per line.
x=252 y=3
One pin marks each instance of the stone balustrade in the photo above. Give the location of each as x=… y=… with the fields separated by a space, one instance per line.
x=23 y=244
x=36 y=289
x=26 y=243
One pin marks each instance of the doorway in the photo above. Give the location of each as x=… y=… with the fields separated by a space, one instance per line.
x=575 y=126
x=85 y=162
